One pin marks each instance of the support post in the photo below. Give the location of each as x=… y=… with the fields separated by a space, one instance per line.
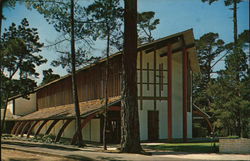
x=185 y=93
x=13 y=131
x=20 y=126
x=31 y=128
x=84 y=123
x=141 y=82
x=27 y=124
x=58 y=136
x=51 y=126
x=154 y=79
x=169 y=50
x=40 y=127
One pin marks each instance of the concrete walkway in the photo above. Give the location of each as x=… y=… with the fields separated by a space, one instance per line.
x=95 y=153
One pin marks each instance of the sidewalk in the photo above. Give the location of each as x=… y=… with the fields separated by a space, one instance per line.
x=93 y=152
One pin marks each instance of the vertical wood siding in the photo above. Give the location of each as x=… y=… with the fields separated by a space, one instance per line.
x=90 y=84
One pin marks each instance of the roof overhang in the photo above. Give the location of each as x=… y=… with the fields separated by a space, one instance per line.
x=67 y=111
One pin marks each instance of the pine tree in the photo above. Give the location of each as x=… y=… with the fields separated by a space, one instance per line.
x=48 y=76
x=209 y=49
x=130 y=134
x=18 y=59
x=233 y=3
x=68 y=18
x=230 y=92
x=146 y=24
x=106 y=16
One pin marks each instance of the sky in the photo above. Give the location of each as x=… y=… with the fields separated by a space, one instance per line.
x=175 y=16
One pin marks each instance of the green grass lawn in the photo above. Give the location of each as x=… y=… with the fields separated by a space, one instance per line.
x=186 y=147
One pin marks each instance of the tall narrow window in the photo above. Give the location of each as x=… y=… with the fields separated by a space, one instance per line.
x=147 y=76
x=161 y=76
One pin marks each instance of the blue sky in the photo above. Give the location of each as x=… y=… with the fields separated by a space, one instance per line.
x=175 y=16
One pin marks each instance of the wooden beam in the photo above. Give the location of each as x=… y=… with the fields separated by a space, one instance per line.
x=141 y=81
x=153 y=98
x=205 y=118
x=151 y=70
x=157 y=45
x=84 y=123
x=51 y=126
x=13 y=131
x=169 y=49
x=20 y=126
x=40 y=127
x=147 y=76
x=31 y=128
x=185 y=92
x=25 y=127
x=178 y=50
x=59 y=134
x=154 y=79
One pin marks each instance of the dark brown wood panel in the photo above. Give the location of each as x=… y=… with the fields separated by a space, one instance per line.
x=153 y=125
x=90 y=84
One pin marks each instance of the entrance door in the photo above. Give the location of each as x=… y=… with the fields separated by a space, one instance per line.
x=153 y=125
x=113 y=128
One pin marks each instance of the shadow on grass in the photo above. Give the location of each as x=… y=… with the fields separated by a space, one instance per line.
x=79 y=157
x=47 y=146
x=183 y=148
x=110 y=159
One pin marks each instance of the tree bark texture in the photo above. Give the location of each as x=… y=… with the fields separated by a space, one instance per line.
x=4 y=105
x=73 y=72
x=106 y=91
x=130 y=134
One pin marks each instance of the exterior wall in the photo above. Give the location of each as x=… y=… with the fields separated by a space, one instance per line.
x=152 y=96
x=95 y=130
x=24 y=106
x=152 y=93
x=90 y=84
x=70 y=130
x=177 y=96
x=241 y=145
x=189 y=124
x=91 y=132
x=10 y=107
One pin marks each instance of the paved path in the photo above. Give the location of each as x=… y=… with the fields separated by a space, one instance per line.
x=96 y=153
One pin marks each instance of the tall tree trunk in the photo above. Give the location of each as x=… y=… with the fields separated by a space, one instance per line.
x=235 y=22
x=106 y=91
x=238 y=125
x=1 y=16
x=130 y=134
x=73 y=72
x=4 y=105
x=1 y=97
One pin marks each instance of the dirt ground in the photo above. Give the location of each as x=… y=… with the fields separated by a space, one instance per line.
x=14 y=155
x=14 y=150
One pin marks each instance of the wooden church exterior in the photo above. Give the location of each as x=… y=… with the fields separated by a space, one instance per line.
x=164 y=78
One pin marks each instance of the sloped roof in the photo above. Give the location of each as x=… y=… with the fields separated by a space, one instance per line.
x=188 y=38
x=68 y=111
